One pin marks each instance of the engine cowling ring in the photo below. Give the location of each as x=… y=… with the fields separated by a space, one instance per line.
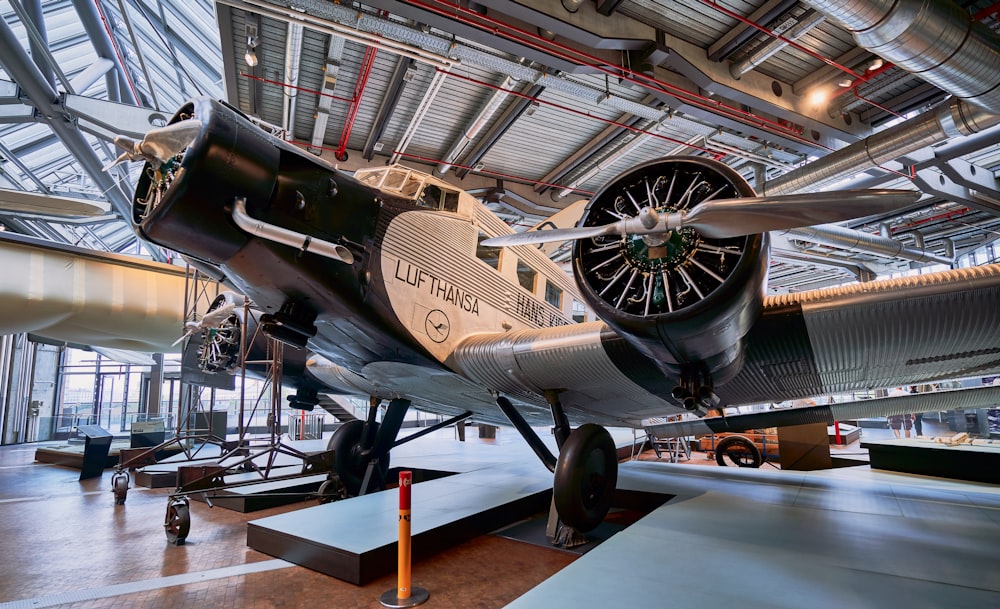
x=680 y=297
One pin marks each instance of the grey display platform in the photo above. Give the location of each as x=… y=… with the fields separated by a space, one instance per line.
x=355 y=539
x=849 y=537
x=920 y=456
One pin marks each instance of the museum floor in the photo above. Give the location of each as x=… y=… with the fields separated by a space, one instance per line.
x=65 y=544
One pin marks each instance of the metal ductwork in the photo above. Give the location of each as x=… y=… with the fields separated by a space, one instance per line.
x=934 y=401
x=808 y=21
x=936 y=40
x=868 y=243
x=949 y=119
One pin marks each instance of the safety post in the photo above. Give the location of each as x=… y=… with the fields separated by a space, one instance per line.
x=404 y=595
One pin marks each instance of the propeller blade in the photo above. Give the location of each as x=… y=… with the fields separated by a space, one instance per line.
x=158 y=145
x=736 y=217
x=549 y=236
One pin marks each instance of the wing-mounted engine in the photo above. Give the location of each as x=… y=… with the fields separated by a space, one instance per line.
x=683 y=298
x=219 y=344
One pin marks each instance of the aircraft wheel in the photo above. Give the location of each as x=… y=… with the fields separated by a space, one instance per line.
x=178 y=521
x=349 y=461
x=119 y=486
x=740 y=450
x=331 y=490
x=585 y=477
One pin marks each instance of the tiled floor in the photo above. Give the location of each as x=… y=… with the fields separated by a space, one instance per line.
x=65 y=544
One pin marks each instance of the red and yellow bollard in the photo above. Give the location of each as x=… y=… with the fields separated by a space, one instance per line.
x=404 y=595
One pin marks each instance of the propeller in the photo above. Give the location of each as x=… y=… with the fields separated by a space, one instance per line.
x=211 y=319
x=733 y=217
x=158 y=145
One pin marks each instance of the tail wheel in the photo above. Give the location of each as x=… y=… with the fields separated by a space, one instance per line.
x=178 y=520
x=739 y=450
x=119 y=486
x=585 y=477
x=331 y=490
x=349 y=460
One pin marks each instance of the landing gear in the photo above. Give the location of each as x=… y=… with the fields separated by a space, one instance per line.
x=585 y=477
x=178 y=520
x=586 y=472
x=119 y=486
x=350 y=461
x=739 y=450
x=361 y=448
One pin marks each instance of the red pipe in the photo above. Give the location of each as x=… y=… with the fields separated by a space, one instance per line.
x=296 y=87
x=352 y=113
x=580 y=58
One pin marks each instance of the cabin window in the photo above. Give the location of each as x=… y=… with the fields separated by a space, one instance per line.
x=553 y=295
x=526 y=276
x=579 y=312
x=489 y=255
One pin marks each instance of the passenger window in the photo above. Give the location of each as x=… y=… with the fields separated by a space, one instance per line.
x=526 y=276
x=579 y=312
x=489 y=255
x=553 y=295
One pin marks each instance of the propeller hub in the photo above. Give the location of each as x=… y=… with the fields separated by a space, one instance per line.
x=655 y=252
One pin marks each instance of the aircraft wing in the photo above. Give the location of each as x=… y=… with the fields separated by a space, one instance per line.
x=73 y=295
x=854 y=338
x=880 y=334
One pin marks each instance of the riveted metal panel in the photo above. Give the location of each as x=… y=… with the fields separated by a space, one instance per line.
x=874 y=335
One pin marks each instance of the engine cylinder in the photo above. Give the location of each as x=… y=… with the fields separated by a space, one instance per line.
x=680 y=297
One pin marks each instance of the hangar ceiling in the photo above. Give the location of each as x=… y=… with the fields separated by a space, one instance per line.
x=533 y=105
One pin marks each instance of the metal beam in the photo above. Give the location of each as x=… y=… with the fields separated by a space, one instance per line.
x=107 y=119
x=403 y=73
x=118 y=82
x=514 y=111
x=19 y=66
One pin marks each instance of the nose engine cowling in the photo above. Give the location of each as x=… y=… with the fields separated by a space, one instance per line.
x=685 y=300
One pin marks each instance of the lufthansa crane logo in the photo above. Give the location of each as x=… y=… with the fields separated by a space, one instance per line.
x=437 y=326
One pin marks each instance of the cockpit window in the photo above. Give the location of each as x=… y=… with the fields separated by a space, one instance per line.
x=411 y=184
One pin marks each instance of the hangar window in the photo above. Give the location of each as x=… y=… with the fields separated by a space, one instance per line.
x=526 y=276
x=553 y=295
x=489 y=255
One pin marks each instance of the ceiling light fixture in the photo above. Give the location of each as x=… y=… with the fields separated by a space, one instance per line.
x=846 y=83
x=875 y=64
x=251 y=55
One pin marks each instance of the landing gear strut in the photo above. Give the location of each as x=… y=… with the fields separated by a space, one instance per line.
x=361 y=448
x=586 y=471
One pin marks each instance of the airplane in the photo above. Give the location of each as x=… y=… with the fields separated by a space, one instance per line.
x=401 y=287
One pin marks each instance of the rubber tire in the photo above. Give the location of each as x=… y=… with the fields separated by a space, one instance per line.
x=119 y=485
x=330 y=491
x=347 y=462
x=585 y=478
x=750 y=454
x=178 y=522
